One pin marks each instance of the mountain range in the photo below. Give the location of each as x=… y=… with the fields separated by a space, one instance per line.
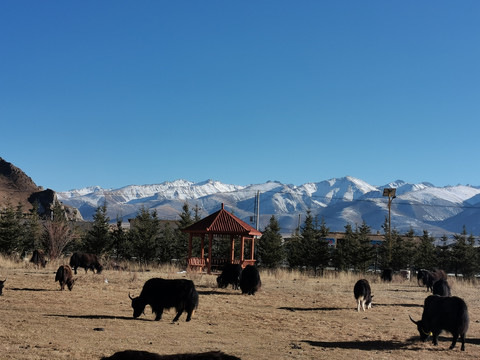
x=340 y=201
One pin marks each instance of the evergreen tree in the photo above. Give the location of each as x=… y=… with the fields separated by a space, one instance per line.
x=425 y=254
x=34 y=230
x=144 y=235
x=98 y=239
x=165 y=250
x=120 y=244
x=365 y=253
x=270 y=246
x=313 y=244
x=180 y=246
x=11 y=229
x=403 y=250
x=384 y=250
x=345 y=251
x=443 y=256
x=463 y=255
x=294 y=251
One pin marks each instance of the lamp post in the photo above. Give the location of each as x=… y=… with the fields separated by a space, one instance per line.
x=390 y=192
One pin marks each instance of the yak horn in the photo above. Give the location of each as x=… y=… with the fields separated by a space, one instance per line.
x=415 y=322
x=131 y=298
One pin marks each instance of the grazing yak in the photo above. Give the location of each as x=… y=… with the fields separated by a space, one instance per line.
x=65 y=277
x=230 y=275
x=387 y=275
x=363 y=294
x=250 y=281
x=86 y=261
x=443 y=313
x=1 y=285
x=429 y=278
x=165 y=294
x=145 y=355
x=38 y=258
x=441 y=288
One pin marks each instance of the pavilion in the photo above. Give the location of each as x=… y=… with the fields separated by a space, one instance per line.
x=219 y=226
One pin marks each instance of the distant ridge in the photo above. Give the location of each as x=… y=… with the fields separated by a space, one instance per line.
x=339 y=201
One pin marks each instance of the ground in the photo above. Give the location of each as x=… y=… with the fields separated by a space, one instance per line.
x=293 y=316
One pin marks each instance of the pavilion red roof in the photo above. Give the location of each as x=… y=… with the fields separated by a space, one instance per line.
x=222 y=222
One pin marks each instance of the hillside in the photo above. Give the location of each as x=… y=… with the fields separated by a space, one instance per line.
x=18 y=188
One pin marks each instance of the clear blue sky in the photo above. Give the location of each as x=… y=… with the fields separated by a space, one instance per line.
x=114 y=93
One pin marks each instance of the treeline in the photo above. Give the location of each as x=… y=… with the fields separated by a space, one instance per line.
x=150 y=239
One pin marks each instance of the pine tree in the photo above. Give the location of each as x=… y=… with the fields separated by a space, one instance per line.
x=11 y=229
x=365 y=251
x=120 y=244
x=180 y=246
x=464 y=259
x=34 y=230
x=425 y=254
x=443 y=256
x=98 y=239
x=144 y=235
x=270 y=246
x=345 y=251
x=165 y=250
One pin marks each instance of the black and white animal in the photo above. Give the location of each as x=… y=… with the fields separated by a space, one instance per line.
x=64 y=277
x=387 y=275
x=363 y=294
x=86 y=261
x=230 y=275
x=443 y=313
x=1 y=285
x=163 y=294
x=441 y=288
x=250 y=281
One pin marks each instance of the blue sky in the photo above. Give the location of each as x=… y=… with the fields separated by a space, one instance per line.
x=114 y=93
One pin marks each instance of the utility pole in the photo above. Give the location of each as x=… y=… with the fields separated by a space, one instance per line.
x=390 y=192
x=257 y=203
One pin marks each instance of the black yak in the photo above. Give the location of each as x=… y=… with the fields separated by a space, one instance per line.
x=441 y=288
x=38 y=258
x=430 y=277
x=387 y=275
x=443 y=313
x=1 y=285
x=64 y=277
x=145 y=355
x=230 y=275
x=165 y=294
x=250 y=281
x=86 y=261
x=363 y=294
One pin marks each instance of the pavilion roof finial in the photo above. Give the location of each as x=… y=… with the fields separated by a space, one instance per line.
x=223 y=206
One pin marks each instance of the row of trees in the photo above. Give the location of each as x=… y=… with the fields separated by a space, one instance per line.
x=308 y=248
x=151 y=239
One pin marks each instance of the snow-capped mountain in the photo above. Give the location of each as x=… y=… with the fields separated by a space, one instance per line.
x=342 y=201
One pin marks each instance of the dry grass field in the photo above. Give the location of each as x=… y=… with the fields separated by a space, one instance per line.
x=292 y=317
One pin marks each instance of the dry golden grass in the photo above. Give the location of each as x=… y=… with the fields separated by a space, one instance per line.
x=293 y=317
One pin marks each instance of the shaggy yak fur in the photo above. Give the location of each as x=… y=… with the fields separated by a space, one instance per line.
x=163 y=294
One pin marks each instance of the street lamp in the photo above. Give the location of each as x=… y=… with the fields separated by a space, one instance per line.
x=390 y=192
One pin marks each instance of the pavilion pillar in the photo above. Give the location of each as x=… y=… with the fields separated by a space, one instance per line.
x=190 y=237
x=232 y=249
x=209 y=265
x=253 y=248
x=242 y=250
x=202 y=246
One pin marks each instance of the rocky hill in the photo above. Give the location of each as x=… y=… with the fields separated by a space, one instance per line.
x=18 y=188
